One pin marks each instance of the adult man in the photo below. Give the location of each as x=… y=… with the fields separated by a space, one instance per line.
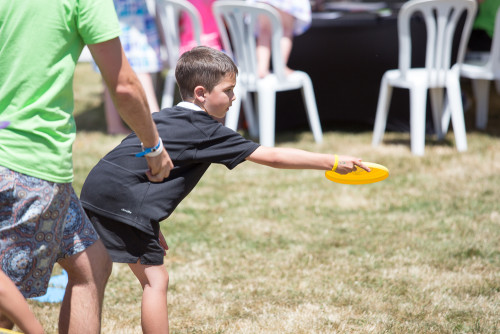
x=41 y=219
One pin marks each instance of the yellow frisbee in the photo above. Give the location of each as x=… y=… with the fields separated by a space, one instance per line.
x=360 y=176
x=8 y=331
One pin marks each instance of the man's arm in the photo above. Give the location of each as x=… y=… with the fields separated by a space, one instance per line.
x=291 y=158
x=130 y=101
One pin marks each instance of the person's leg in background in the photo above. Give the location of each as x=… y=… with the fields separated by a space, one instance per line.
x=114 y=122
x=264 y=47
x=146 y=80
x=264 y=43
x=288 y=22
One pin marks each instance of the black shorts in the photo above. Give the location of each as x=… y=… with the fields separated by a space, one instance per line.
x=126 y=244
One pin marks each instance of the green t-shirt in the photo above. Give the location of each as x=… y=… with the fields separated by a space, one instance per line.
x=486 y=15
x=40 y=43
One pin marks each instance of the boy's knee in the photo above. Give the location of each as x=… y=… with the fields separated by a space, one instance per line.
x=159 y=281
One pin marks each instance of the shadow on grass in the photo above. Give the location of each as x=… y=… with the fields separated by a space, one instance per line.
x=428 y=142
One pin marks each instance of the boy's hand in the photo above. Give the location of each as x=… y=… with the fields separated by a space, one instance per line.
x=163 y=243
x=349 y=164
x=159 y=167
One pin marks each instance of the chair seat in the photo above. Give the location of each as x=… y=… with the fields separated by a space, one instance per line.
x=419 y=76
x=473 y=71
x=294 y=80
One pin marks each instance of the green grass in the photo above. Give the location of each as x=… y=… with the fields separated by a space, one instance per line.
x=261 y=250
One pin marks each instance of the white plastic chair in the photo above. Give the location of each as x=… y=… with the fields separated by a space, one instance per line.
x=169 y=12
x=241 y=21
x=481 y=75
x=440 y=17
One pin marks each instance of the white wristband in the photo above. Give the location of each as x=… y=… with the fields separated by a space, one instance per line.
x=152 y=151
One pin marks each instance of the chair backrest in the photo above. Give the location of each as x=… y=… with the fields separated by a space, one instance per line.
x=169 y=12
x=241 y=20
x=441 y=18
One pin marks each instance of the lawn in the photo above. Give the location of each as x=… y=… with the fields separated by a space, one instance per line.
x=261 y=250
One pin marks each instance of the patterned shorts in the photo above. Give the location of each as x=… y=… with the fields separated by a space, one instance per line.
x=41 y=222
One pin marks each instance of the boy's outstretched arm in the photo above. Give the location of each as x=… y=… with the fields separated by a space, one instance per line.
x=291 y=158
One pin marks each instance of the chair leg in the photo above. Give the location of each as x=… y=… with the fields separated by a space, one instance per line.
x=250 y=115
x=437 y=96
x=445 y=117
x=383 y=104
x=167 y=99
x=233 y=115
x=457 y=113
x=311 y=109
x=266 y=104
x=481 y=90
x=418 y=104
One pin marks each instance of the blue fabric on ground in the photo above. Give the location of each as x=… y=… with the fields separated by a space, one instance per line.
x=59 y=281
x=55 y=292
x=53 y=295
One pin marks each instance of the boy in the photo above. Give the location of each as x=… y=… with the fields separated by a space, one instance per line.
x=126 y=208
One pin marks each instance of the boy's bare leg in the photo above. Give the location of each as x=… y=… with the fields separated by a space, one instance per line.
x=154 y=311
x=88 y=273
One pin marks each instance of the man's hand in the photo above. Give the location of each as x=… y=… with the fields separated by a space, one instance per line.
x=349 y=164
x=159 y=167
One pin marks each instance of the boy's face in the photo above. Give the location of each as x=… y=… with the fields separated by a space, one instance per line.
x=218 y=101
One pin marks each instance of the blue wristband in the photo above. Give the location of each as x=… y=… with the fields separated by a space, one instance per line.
x=150 y=149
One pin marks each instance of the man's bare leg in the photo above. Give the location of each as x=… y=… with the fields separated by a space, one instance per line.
x=88 y=273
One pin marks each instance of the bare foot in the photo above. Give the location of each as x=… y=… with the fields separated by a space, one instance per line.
x=288 y=70
x=263 y=73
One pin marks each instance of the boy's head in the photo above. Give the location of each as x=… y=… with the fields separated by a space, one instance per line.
x=206 y=77
x=202 y=66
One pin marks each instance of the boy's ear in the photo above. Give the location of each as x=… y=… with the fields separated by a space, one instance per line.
x=199 y=93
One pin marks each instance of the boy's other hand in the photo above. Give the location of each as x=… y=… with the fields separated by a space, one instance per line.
x=159 y=167
x=349 y=164
x=163 y=243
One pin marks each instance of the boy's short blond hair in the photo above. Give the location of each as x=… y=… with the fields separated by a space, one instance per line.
x=202 y=66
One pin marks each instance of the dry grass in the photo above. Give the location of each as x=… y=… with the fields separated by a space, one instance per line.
x=260 y=250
